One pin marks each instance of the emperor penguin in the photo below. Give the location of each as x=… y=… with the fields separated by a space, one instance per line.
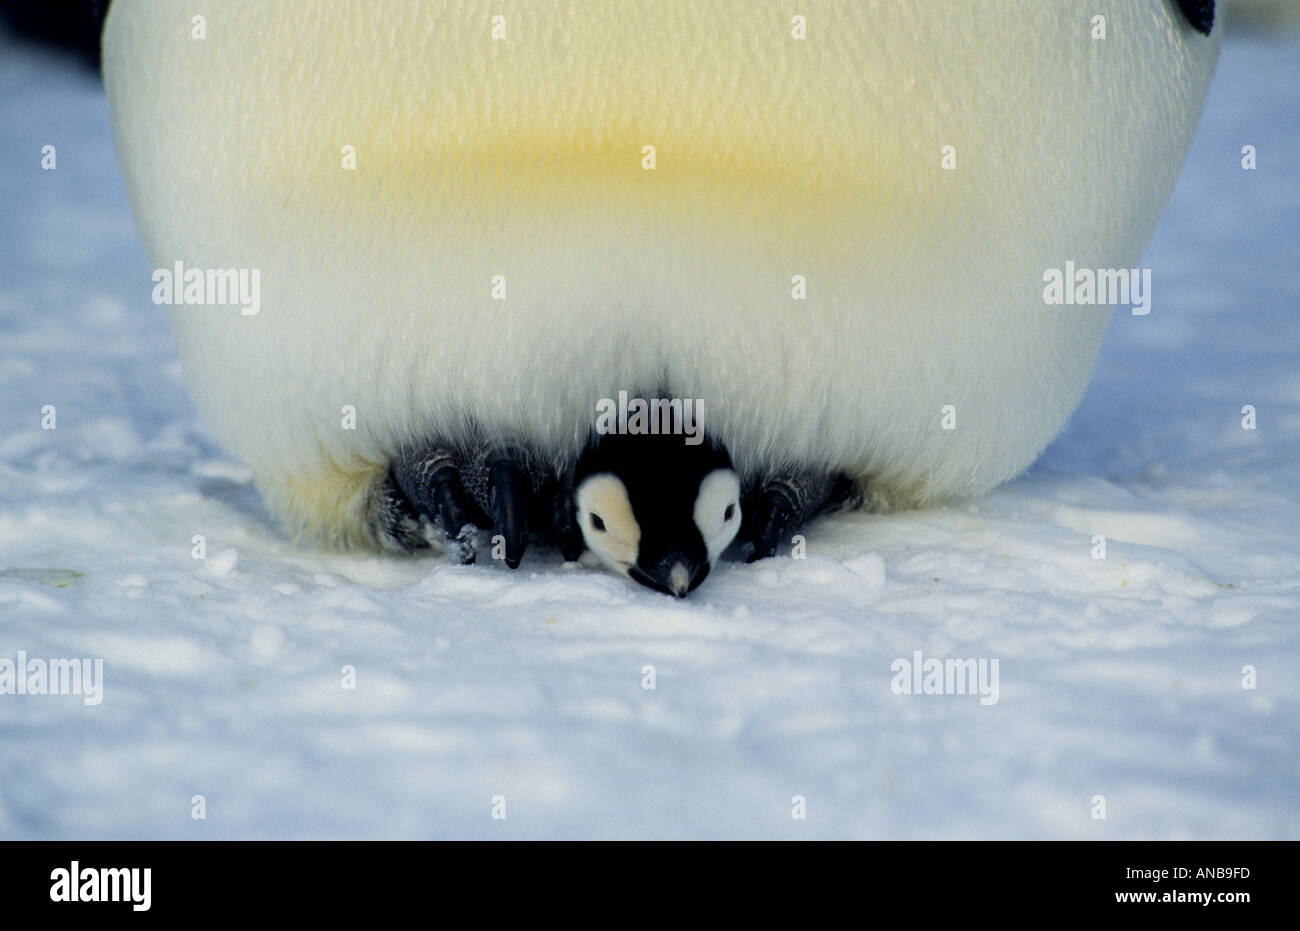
x=828 y=225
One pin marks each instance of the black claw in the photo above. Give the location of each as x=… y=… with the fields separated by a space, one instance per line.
x=510 y=496
x=451 y=510
x=771 y=514
x=564 y=518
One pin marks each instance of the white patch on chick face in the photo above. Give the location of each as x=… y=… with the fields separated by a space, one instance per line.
x=717 y=511
x=609 y=527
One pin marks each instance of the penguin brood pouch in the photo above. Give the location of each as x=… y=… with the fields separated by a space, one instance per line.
x=644 y=277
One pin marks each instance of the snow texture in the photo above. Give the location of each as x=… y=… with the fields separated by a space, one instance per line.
x=1119 y=677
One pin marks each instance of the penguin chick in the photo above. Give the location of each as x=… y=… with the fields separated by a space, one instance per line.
x=651 y=507
x=656 y=509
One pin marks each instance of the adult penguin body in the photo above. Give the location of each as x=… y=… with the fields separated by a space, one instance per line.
x=831 y=228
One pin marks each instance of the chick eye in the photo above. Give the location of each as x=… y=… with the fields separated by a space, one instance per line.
x=597 y=523
x=730 y=513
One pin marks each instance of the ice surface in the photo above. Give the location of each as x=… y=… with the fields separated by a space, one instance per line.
x=1119 y=677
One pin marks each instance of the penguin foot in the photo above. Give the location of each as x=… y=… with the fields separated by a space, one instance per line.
x=501 y=486
x=776 y=509
x=397 y=526
x=429 y=481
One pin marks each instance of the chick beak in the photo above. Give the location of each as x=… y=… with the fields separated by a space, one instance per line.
x=676 y=574
x=679 y=579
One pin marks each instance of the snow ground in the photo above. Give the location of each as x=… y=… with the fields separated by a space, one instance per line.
x=1119 y=677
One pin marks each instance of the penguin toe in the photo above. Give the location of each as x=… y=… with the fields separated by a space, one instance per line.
x=429 y=480
x=764 y=545
x=770 y=516
x=776 y=510
x=395 y=524
x=510 y=499
x=564 y=520
x=452 y=511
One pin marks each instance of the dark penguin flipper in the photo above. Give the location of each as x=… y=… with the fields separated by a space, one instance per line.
x=1200 y=13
